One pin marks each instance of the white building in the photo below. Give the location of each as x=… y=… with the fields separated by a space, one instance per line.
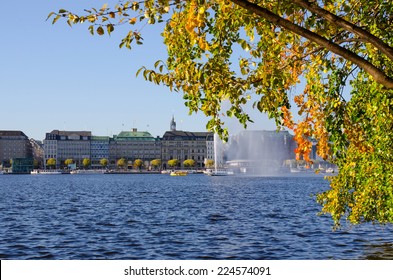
x=63 y=145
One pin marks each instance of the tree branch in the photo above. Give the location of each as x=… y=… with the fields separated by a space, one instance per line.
x=340 y=22
x=376 y=73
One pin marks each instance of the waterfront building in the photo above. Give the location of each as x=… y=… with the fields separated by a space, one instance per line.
x=99 y=149
x=62 y=145
x=22 y=165
x=38 y=153
x=14 y=144
x=183 y=145
x=132 y=145
x=210 y=148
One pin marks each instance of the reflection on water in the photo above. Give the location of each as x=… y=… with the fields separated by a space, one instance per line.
x=383 y=251
x=165 y=217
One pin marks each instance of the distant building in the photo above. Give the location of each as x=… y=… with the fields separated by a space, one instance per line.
x=63 y=145
x=183 y=145
x=210 y=147
x=99 y=149
x=22 y=165
x=132 y=145
x=14 y=144
x=38 y=153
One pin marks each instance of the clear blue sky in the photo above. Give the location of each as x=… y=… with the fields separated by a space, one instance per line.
x=57 y=77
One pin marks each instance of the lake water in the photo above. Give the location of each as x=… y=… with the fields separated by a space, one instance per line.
x=163 y=217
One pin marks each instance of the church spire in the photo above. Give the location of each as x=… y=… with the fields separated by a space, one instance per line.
x=173 y=124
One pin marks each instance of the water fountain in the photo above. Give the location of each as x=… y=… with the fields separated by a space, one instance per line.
x=259 y=152
x=217 y=171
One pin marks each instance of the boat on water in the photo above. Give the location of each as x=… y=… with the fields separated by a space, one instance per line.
x=300 y=169
x=89 y=171
x=46 y=172
x=178 y=173
x=331 y=170
x=218 y=172
x=1 y=172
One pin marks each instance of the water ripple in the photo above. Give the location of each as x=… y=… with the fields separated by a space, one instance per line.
x=161 y=217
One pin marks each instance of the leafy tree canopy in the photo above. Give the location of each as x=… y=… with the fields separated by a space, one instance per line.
x=51 y=162
x=238 y=52
x=209 y=163
x=104 y=162
x=173 y=162
x=138 y=163
x=189 y=163
x=155 y=163
x=86 y=162
x=122 y=163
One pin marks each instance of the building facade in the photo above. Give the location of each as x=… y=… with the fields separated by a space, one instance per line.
x=184 y=145
x=99 y=149
x=14 y=144
x=132 y=145
x=63 y=145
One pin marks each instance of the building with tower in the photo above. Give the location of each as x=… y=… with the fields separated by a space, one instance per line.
x=173 y=124
x=183 y=145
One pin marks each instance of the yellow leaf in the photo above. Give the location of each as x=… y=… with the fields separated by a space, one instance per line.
x=104 y=7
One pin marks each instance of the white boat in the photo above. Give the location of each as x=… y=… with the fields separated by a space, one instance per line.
x=46 y=172
x=89 y=171
x=218 y=172
x=299 y=169
x=330 y=170
x=1 y=172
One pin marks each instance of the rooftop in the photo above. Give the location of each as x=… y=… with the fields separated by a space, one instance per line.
x=11 y=133
x=68 y=133
x=134 y=135
x=177 y=134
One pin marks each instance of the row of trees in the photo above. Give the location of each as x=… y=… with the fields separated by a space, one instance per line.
x=188 y=163
x=123 y=163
